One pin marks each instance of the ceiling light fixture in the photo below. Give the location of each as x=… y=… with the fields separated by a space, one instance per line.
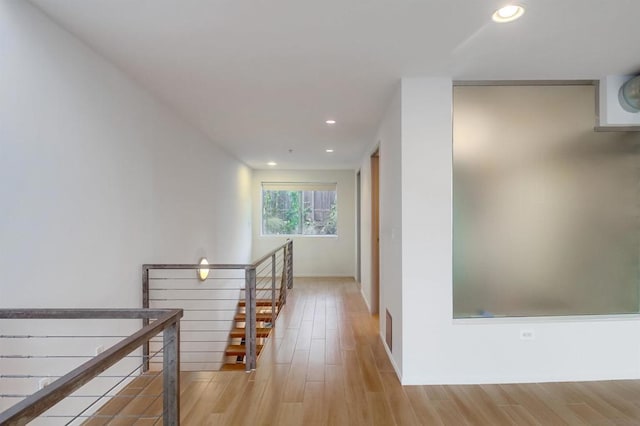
x=330 y=122
x=272 y=163
x=508 y=13
x=329 y=150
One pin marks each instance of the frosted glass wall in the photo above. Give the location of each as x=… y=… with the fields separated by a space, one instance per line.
x=546 y=211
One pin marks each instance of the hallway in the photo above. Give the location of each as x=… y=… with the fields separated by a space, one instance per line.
x=324 y=361
x=326 y=365
x=147 y=136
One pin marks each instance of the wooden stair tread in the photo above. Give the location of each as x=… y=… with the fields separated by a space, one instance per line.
x=261 y=332
x=233 y=367
x=259 y=302
x=260 y=316
x=239 y=332
x=240 y=350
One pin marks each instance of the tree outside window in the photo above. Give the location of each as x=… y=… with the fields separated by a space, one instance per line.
x=299 y=209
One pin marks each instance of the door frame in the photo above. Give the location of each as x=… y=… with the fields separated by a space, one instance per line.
x=375 y=231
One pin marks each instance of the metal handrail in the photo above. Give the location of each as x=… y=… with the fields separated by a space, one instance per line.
x=255 y=264
x=97 y=313
x=167 y=321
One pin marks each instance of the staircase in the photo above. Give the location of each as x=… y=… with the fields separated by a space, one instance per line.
x=236 y=350
x=218 y=336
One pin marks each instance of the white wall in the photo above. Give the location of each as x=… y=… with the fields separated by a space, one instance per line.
x=202 y=202
x=97 y=177
x=390 y=186
x=441 y=350
x=313 y=256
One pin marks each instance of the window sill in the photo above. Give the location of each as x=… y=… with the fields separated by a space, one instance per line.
x=296 y=236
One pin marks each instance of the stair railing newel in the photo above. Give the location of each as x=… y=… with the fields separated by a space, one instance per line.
x=250 y=319
x=273 y=290
x=288 y=252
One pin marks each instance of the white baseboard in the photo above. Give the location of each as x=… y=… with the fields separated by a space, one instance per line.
x=366 y=302
x=393 y=361
x=384 y=344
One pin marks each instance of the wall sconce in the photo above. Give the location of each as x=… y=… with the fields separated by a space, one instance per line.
x=630 y=95
x=203 y=273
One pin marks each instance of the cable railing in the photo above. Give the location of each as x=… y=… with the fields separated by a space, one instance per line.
x=228 y=315
x=51 y=350
x=97 y=366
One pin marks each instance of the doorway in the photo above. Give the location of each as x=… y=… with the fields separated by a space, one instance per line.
x=375 y=232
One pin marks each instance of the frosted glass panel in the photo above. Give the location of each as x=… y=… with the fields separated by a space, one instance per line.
x=546 y=211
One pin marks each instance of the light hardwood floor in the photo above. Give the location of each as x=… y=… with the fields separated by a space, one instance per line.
x=325 y=365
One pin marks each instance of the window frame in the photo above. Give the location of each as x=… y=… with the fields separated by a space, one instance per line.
x=300 y=187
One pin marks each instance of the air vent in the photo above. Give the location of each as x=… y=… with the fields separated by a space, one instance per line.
x=389 y=332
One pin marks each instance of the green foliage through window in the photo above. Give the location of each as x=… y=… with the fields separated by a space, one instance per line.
x=299 y=212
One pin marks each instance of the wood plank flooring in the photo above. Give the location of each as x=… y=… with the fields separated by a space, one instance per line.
x=325 y=365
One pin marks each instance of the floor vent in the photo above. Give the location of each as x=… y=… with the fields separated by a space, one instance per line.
x=389 y=332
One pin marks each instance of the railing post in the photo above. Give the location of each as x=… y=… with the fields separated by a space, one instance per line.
x=250 y=319
x=171 y=375
x=290 y=267
x=289 y=256
x=273 y=290
x=145 y=321
x=283 y=280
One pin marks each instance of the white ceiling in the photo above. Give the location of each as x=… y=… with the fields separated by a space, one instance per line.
x=260 y=77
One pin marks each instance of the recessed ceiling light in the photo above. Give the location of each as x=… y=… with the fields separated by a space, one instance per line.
x=329 y=150
x=272 y=163
x=508 y=13
x=330 y=122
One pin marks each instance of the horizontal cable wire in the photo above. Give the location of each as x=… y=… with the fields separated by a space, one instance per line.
x=30 y=336
x=208 y=310
x=120 y=381
x=62 y=356
x=194 y=278
x=100 y=416
x=87 y=396
x=194 y=300
x=29 y=376
x=197 y=289
x=121 y=378
x=96 y=397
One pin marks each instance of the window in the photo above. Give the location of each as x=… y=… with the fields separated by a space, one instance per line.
x=546 y=212
x=299 y=209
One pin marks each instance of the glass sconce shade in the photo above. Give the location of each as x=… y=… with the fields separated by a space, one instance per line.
x=203 y=273
x=630 y=94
